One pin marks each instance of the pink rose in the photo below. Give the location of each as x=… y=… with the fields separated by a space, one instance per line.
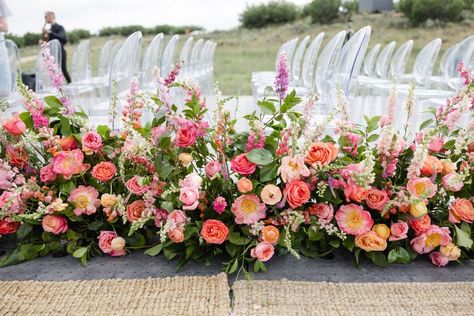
x=110 y=243
x=436 y=144
x=213 y=169
x=69 y=163
x=263 y=251
x=8 y=227
x=398 y=231
x=242 y=165
x=192 y=180
x=376 y=199
x=54 y=224
x=178 y=217
x=453 y=182
x=176 y=235
x=186 y=135
x=135 y=187
x=438 y=259
x=91 y=142
x=324 y=212
x=47 y=175
x=156 y=133
x=189 y=196
x=14 y=126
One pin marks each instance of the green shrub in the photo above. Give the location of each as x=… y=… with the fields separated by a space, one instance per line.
x=165 y=29
x=275 y=12
x=419 y=11
x=324 y=11
x=75 y=36
x=19 y=40
x=351 y=7
x=32 y=38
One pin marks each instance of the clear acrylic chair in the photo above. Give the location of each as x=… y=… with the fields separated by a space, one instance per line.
x=400 y=58
x=124 y=67
x=297 y=61
x=369 y=60
x=309 y=62
x=185 y=55
x=44 y=85
x=15 y=102
x=383 y=61
x=168 y=59
x=151 y=60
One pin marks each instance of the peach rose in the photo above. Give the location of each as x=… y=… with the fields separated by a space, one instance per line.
x=135 y=210
x=263 y=251
x=376 y=199
x=382 y=230
x=461 y=210
x=242 y=165
x=185 y=159
x=214 y=231
x=270 y=234
x=176 y=235
x=68 y=143
x=451 y=251
x=244 y=185
x=271 y=194
x=14 y=126
x=108 y=200
x=370 y=241
x=398 y=230
x=421 y=224
x=448 y=166
x=321 y=153
x=104 y=171
x=431 y=166
x=421 y=187
x=54 y=224
x=296 y=193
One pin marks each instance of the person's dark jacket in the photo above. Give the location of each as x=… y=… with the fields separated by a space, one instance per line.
x=58 y=32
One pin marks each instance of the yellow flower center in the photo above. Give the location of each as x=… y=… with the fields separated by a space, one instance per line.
x=420 y=188
x=248 y=206
x=293 y=165
x=354 y=220
x=433 y=240
x=81 y=201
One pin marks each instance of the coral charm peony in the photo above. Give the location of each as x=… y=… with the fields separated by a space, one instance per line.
x=248 y=209
x=353 y=219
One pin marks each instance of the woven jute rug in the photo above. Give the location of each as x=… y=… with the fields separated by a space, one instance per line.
x=167 y=296
x=322 y=298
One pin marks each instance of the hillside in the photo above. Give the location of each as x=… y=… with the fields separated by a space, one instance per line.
x=242 y=51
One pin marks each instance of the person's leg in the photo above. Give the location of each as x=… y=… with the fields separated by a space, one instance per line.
x=64 y=67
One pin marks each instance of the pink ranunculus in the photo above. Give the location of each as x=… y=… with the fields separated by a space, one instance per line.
x=438 y=259
x=91 y=142
x=69 y=163
x=376 y=199
x=436 y=144
x=398 y=231
x=177 y=235
x=47 y=175
x=248 y=209
x=263 y=251
x=219 y=205
x=178 y=217
x=293 y=168
x=156 y=133
x=106 y=241
x=54 y=224
x=352 y=219
x=189 y=196
x=134 y=186
x=421 y=187
x=324 y=212
x=192 y=180
x=453 y=182
x=14 y=126
x=85 y=200
x=242 y=165
x=213 y=169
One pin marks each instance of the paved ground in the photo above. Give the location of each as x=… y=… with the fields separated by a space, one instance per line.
x=139 y=265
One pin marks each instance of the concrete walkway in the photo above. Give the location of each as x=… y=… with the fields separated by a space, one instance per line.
x=138 y=265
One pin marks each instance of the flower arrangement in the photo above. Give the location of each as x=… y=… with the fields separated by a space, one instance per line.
x=189 y=190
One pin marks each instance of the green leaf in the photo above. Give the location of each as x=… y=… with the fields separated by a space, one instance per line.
x=80 y=252
x=234 y=266
x=167 y=206
x=372 y=138
x=154 y=251
x=268 y=172
x=104 y=131
x=136 y=240
x=94 y=225
x=259 y=156
x=27 y=119
x=24 y=230
x=349 y=243
x=235 y=238
x=53 y=102
x=463 y=239
x=267 y=107
x=165 y=142
x=425 y=124
x=65 y=126
x=315 y=235
x=377 y=257
x=66 y=187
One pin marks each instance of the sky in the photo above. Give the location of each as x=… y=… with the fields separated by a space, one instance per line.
x=95 y=14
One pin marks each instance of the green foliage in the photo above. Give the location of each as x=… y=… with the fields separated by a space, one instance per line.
x=324 y=11
x=275 y=12
x=419 y=11
x=75 y=36
x=129 y=29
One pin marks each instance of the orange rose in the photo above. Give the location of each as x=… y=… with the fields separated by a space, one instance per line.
x=370 y=241
x=214 y=231
x=461 y=210
x=270 y=234
x=357 y=194
x=431 y=166
x=135 y=210
x=296 y=193
x=321 y=153
x=104 y=171
x=420 y=225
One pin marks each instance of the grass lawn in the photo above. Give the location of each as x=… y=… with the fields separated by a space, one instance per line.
x=241 y=51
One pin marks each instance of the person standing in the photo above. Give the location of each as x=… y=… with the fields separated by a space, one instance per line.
x=51 y=31
x=5 y=72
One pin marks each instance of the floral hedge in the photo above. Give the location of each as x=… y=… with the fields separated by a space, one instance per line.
x=193 y=189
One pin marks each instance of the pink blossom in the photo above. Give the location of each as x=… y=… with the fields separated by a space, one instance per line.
x=282 y=76
x=47 y=175
x=453 y=182
x=293 y=168
x=398 y=231
x=85 y=200
x=108 y=243
x=263 y=251
x=248 y=209
x=178 y=217
x=438 y=259
x=91 y=142
x=213 y=169
x=69 y=163
x=353 y=219
x=219 y=205
x=189 y=196
x=436 y=144
x=157 y=133
x=192 y=180
x=136 y=186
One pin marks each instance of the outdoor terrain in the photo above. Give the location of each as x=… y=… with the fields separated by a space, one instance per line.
x=241 y=51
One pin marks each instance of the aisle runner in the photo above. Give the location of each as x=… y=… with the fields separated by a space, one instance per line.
x=168 y=296
x=321 y=298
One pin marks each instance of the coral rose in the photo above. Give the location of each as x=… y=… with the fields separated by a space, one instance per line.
x=135 y=210
x=431 y=166
x=176 y=235
x=321 y=153
x=186 y=135
x=376 y=199
x=248 y=209
x=135 y=186
x=244 y=185
x=69 y=163
x=324 y=212
x=296 y=193
x=54 y=224
x=370 y=241
x=461 y=210
x=352 y=219
x=91 y=142
x=104 y=171
x=398 y=230
x=242 y=165
x=8 y=227
x=263 y=251
x=14 y=126
x=214 y=231
x=420 y=225
x=271 y=194
x=355 y=193
x=270 y=234
x=111 y=243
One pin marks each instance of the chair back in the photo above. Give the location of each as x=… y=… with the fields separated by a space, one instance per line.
x=297 y=59
x=151 y=59
x=13 y=61
x=309 y=61
x=383 y=61
x=369 y=60
x=425 y=61
x=81 y=69
x=43 y=82
x=105 y=57
x=400 y=58
x=168 y=59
